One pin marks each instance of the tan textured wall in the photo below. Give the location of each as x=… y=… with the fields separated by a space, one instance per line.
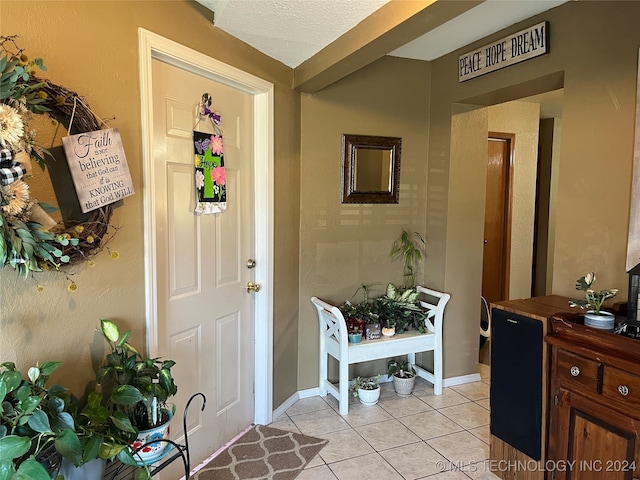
x=92 y=48
x=462 y=242
x=345 y=245
x=595 y=154
x=521 y=119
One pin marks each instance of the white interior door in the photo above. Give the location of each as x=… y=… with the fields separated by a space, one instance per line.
x=204 y=313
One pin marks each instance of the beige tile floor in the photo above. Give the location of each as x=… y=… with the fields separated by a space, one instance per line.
x=423 y=436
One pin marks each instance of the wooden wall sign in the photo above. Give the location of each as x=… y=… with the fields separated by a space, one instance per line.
x=98 y=167
x=523 y=45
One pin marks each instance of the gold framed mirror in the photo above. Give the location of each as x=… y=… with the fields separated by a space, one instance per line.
x=370 y=169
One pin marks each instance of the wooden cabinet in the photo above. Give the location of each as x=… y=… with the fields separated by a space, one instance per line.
x=519 y=385
x=595 y=400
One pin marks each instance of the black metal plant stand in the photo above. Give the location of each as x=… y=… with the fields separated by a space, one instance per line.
x=117 y=470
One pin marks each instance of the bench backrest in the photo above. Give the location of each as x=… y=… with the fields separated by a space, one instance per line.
x=435 y=310
x=332 y=323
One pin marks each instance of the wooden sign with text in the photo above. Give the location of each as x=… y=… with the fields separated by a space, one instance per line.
x=98 y=167
x=523 y=45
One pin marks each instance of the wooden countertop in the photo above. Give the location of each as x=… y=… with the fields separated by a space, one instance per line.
x=540 y=308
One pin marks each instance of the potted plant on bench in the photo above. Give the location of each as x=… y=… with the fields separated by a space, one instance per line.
x=360 y=317
x=410 y=247
x=404 y=376
x=400 y=307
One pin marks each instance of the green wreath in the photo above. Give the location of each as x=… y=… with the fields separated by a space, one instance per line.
x=24 y=243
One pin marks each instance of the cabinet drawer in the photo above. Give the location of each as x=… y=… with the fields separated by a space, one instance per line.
x=621 y=386
x=577 y=371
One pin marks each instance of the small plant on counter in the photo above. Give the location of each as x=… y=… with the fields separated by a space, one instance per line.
x=593 y=299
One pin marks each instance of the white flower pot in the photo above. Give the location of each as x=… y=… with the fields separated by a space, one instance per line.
x=404 y=385
x=369 y=397
x=603 y=321
x=152 y=451
x=92 y=470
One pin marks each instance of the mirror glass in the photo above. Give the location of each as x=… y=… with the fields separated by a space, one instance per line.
x=370 y=169
x=373 y=170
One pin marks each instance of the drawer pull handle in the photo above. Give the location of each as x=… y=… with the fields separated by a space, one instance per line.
x=575 y=371
x=623 y=390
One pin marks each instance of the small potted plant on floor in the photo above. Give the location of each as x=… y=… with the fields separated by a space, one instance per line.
x=404 y=376
x=595 y=317
x=139 y=388
x=367 y=389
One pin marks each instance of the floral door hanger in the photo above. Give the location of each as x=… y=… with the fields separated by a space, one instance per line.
x=211 y=182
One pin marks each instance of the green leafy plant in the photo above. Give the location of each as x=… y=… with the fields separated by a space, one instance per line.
x=140 y=387
x=364 y=383
x=401 y=369
x=593 y=299
x=400 y=307
x=35 y=419
x=31 y=419
x=410 y=248
x=357 y=315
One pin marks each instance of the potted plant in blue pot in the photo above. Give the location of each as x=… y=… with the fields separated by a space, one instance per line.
x=594 y=317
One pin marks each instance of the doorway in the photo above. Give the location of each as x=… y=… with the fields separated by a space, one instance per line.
x=497 y=218
x=528 y=185
x=257 y=113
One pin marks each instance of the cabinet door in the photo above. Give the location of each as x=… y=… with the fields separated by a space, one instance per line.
x=594 y=441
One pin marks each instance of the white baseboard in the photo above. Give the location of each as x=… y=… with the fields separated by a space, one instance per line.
x=309 y=392
x=451 y=381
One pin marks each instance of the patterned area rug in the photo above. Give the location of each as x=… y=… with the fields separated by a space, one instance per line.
x=263 y=453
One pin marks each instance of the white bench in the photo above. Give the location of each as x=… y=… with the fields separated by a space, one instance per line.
x=333 y=341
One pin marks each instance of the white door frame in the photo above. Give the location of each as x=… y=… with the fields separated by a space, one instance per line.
x=153 y=46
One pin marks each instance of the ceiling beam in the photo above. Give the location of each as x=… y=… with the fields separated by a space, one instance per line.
x=393 y=25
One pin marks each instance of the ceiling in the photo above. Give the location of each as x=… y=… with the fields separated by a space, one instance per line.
x=293 y=31
x=318 y=36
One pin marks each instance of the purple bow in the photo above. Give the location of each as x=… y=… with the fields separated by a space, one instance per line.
x=215 y=118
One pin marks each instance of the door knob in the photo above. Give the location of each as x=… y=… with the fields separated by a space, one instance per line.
x=251 y=263
x=253 y=287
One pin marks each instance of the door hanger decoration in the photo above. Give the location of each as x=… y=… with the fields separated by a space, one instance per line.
x=210 y=177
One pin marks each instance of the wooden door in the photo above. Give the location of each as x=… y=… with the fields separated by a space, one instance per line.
x=593 y=441
x=205 y=314
x=495 y=262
